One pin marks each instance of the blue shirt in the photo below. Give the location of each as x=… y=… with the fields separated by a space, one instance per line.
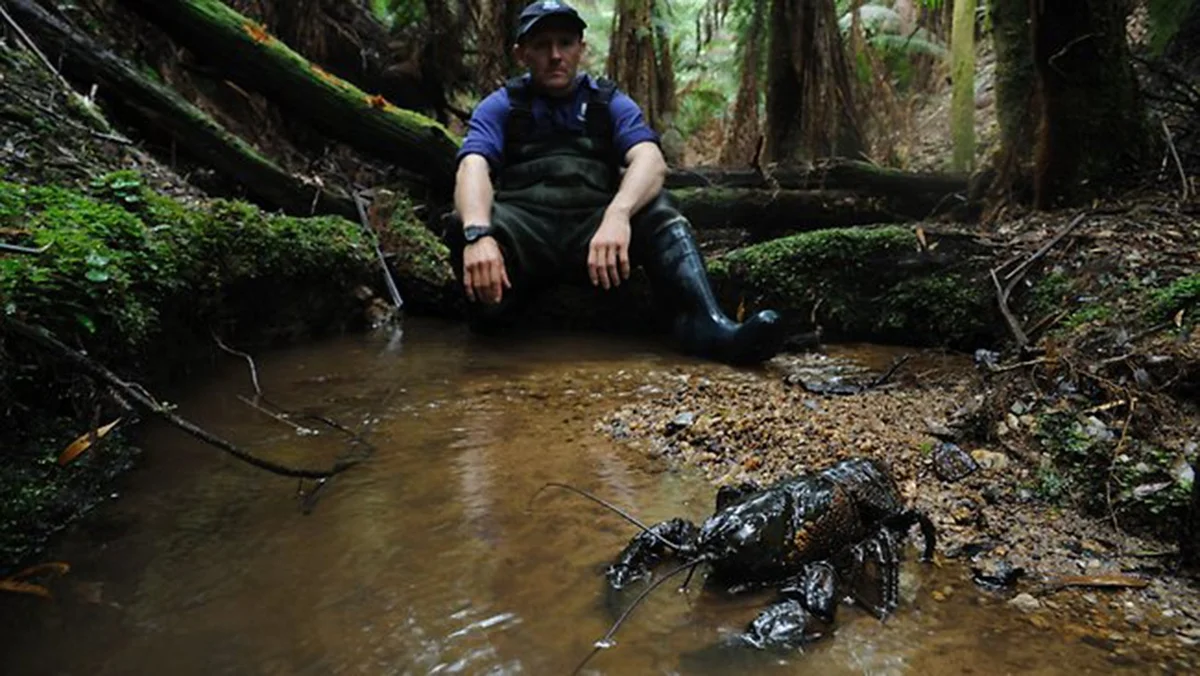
x=485 y=131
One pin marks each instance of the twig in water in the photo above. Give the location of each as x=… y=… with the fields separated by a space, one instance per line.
x=300 y=429
x=243 y=355
x=1185 y=193
x=143 y=400
x=890 y=372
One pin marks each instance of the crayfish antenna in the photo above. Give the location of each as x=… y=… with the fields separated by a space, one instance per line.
x=607 y=641
x=678 y=548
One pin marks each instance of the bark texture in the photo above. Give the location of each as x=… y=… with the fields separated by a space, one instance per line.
x=810 y=101
x=1092 y=124
x=743 y=134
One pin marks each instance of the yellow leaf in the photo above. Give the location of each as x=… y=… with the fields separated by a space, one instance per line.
x=1179 y=319
x=84 y=442
x=24 y=588
x=741 y=311
x=921 y=238
x=56 y=567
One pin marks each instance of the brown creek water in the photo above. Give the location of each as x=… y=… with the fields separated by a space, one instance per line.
x=427 y=558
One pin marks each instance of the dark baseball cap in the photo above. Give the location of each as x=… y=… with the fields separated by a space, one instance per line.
x=541 y=9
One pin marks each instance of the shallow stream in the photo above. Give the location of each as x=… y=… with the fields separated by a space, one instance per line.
x=428 y=558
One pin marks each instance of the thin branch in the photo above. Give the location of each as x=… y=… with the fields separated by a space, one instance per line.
x=243 y=355
x=1013 y=324
x=36 y=50
x=300 y=429
x=1183 y=179
x=1112 y=463
x=1024 y=267
x=13 y=248
x=359 y=201
x=143 y=400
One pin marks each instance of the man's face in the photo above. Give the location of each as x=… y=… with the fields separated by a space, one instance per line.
x=552 y=54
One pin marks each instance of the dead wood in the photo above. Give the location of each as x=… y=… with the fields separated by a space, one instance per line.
x=130 y=392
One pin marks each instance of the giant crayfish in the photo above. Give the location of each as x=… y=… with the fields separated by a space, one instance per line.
x=815 y=537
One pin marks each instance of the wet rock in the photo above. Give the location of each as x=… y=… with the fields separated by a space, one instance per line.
x=941 y=430
x=952 y=463
x=996 y=573
x=990 y=460
x=681 y=421
x=986 y=359
x=1025 y=602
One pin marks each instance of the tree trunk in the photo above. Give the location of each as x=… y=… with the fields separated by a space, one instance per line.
x=1015 y=99
x=255 y=59
x=199 y=135
x=495 y=23
x=638 y=66
x=1093 y=122
x=743 y=133
x=962 y=105
x=810 y=101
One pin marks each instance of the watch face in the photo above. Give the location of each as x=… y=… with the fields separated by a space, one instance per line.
x=474 y=233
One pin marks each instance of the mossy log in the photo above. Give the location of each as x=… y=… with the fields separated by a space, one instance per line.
x=197 y=134
x=248 y=55
x=882 y=284
x=861 y=177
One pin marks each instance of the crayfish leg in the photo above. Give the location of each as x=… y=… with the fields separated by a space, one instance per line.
x=647 y=549
x=816 y=587
x=876 y=575
x=785 y=625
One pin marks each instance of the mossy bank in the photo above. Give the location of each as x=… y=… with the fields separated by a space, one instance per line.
x=142 y=284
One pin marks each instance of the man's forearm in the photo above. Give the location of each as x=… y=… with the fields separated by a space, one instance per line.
x=473 y=191
x=643 y=180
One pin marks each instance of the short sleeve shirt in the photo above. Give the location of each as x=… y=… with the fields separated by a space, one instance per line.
x=485 y=131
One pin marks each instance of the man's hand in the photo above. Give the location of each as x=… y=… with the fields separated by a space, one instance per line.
x=608 y=254
x=484 y=275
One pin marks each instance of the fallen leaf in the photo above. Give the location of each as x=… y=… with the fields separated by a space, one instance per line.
x=741 y=310
x=921 y=238
x=1179 y=319
x=85 y=442
x=24 y=588
x=56 y=567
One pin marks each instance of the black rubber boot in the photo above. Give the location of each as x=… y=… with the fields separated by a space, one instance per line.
x=677 y=271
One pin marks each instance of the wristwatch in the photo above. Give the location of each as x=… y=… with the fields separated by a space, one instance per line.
x=474 y=233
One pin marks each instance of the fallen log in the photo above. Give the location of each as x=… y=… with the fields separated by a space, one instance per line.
x=833 y=174
x=245 y=53
x=765 y=214
x=198 y=134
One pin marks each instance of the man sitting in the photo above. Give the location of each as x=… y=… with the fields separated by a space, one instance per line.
x=562 y=209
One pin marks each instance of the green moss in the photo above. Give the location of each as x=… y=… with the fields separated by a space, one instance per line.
x=1092 y=314
x=1183 y=294
x=864 y=283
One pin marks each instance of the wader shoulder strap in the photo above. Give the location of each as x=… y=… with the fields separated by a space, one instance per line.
x=599 y=123
x=519 y=126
